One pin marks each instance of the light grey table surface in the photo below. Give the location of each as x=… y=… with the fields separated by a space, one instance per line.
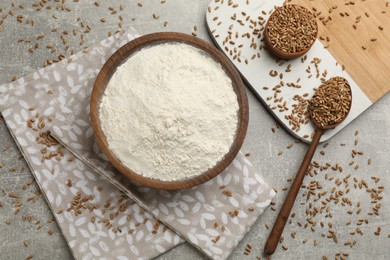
x=261 y=142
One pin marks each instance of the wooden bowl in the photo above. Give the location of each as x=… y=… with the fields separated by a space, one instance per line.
x=278 y=52
x=153 y=39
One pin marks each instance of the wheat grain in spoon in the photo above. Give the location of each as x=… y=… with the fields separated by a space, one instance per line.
x=328 y=108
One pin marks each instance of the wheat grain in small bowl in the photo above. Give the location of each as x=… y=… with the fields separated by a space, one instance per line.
x=169 y=111
x=290 y=31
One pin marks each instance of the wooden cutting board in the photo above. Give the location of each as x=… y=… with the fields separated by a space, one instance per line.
x=365 y=51
x=360 y=54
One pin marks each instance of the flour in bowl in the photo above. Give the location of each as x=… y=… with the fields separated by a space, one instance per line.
x=169 y=112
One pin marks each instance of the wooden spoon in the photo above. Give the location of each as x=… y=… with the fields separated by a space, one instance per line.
x=281 y=220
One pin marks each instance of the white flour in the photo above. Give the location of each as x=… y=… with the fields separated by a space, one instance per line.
x=169 y=112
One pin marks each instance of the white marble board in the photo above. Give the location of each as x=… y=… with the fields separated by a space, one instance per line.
x=256 y=72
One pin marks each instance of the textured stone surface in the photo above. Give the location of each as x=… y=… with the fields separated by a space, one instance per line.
x=261 y=142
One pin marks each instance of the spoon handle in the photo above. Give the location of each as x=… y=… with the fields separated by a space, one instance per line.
x=281 y=220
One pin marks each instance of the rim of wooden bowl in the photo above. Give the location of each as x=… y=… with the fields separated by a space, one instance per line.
x=280 y=53
x=123 y=54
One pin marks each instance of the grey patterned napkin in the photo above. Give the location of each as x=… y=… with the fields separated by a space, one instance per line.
x=213 y=216
x=96 y=219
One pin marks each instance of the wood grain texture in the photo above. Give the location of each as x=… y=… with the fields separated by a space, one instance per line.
x=284 y=213
x=153 y=39
x=369 y=68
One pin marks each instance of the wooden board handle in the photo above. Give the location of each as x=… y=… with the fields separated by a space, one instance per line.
x=281 y=220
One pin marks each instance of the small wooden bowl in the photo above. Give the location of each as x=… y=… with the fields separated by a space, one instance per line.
x=153 y=39
x=278 y=52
